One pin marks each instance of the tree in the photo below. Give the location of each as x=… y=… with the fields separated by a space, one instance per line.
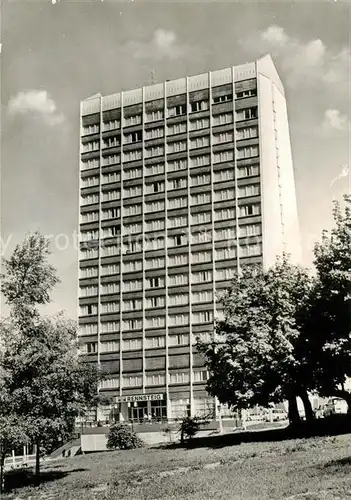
x=188 y=428
x=48 y=383
x=329 y=328
x=122 y=437
x=255 y=357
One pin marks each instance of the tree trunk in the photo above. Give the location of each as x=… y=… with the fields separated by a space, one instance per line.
x=293 y=411
x=37 y=458
x=343 y=395
x=2 y=472
x=307 y=405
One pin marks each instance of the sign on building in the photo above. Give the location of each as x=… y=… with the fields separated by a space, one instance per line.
x=139 y=397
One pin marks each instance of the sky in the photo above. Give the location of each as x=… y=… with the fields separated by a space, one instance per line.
x=56 y=53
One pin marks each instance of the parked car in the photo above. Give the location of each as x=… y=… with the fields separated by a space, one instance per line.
x=335 y=406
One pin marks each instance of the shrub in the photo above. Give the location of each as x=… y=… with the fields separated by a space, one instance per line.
x=122 y=437
x=188 y=428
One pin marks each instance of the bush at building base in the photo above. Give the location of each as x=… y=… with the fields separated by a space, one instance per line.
x=122 y=437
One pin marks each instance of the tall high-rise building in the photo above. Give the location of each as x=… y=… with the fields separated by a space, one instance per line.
x=181 y=184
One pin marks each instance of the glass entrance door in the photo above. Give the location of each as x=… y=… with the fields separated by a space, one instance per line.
x=137 y=412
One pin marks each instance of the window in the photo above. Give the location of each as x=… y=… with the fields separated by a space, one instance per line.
x=155 y=243
x=89 y=348
x=109 y=269
x=159 y=168
x=178 y=240
x=179 y=183
x=88 y=329
x=111 y=177
x=198 y=180
x=178 y=260
x=132 y=381
x=201 y=237
x=132 y=305
x=133 y=228
x=249 y=190
x=178 y=300
x=198 y=257
x=248 y=171
x=132 y=191
x=247 y=114
x=224 y=233
x=199 y=161
x=178 y=319
x=152 y=342
x=222 y=119
x=109 y=307
x=247 y=152
x=246 y=93
x=177 y=203
x=178 y=279
x=224 y=214
x=203 y=296
x=89 y=235
x=132 y=266
x=200 y=199
x=173 y=166
x=111 y=142
x=224 y=194
x=177 y=221
x=200 y=375
x=252 y=209
x=223 y=156
x=110 y=326
x=250 y=250
x=177 y=128
x=89 y=253
x=181 y=339
x=111 y=213
x=108 y=288
x=202 y=317
x=111 y=195
x=88 y=310
x=200 y=142
x=109 y=383
x=88 y=164
x=199 y=124
x=132 y=155
x=133 y=173
x=132 y=247
x=133 y=137
x=202 y=276
x=224 y=175
x=90 y=217
x=154 y=133
x=155 y=263
x=111 y=124
x=177 y=110
x=153 y=116
x=155 y=379
x=198 y=106
x=155 y=225
x=109 y=346
x=246 y=133
x=179 y=378
x=132 y=324
x=201 y=218
x=154 y=206
x=250 y=230
x=90 y=146
x=154 y=151
x=132 y=120
x=109 y=250
x=130 y=210
x=90 y=199
x=155 y=322
x=156 y=282
x=91 y=129
x=132 y=285
x=225 y=253
x=176 y=147
x=222 y=98
x=225 y=274
x=223 y=137
x=110 y=232
x=90 y=181
x=111 y=160
x=154 y=302
x=155 y=187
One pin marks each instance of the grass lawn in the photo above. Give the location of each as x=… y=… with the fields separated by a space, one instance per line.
x=312 y=469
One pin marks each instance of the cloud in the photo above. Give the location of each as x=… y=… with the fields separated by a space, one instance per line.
x=35 y=102
x=163 y=44
x=304 y=62
x=334 y=120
